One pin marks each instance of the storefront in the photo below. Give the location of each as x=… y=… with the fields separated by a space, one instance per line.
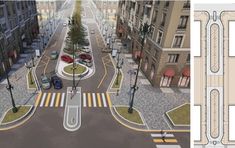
x=167 y=77
x=185 y=78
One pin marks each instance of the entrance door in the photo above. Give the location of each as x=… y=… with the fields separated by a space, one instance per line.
x=165 y=81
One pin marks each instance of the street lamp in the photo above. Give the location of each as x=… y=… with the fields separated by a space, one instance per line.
x=72 y=22
x=9 y=86
x=144 y=30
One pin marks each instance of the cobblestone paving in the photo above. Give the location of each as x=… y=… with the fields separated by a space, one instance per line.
x=20 y=93
x=151 y=102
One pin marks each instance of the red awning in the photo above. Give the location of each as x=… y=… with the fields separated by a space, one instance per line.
x=120 y=30
x=186 y=72
x=169 y=72
x=137 y=54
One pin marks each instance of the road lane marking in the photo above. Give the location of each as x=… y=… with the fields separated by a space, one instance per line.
x=62 y=100
x=109 y=100
x=52 y=99
x=57 y=100
x=89 y=100
x=104 y=101
x=165 y=141
x=99 y=100
x=94 y=99
x=38 y=99
x=48 y=99
x=84 y=100
x=168 y=146
x=105 y=73
x=43 y=99
x=160 y=135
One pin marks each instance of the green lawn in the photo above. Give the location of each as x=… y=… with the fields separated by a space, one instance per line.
x=115 y=84
x=31 y=85
x=134 y=117
x=180 y=115
x=10 y=116
x=79 y=69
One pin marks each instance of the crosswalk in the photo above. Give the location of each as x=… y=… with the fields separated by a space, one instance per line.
x=96 y=100
x=169 y=140
x=50 y=100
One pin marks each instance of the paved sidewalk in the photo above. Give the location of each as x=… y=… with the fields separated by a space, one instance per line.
x=17 y=77
x=151 y=102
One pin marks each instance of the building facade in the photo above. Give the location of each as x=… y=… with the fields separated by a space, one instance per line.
x=19 y=26
x=166 y=53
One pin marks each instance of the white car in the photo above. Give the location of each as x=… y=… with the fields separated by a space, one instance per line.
x=92 y=31
x=64 y=24
x=86 y=49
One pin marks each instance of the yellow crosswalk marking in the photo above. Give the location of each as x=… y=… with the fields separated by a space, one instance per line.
x=165 y=141
x=57 y=100
x=38 y=99
x=99 y=100
x=109 y=100
x=48 y=99
x=89 y=100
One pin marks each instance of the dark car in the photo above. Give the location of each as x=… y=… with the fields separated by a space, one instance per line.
x=66 y=58
x=86 y=42
x=57 y=82
x=85 y=57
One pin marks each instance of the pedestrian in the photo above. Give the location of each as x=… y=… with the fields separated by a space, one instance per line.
x=164 y=136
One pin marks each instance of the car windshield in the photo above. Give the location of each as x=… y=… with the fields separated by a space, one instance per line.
x=53 y=52
x=45 y=80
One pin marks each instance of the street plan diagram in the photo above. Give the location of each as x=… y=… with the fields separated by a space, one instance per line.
x=214 y=71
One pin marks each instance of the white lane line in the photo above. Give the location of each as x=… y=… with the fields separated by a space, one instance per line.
x=62 y=100
x=43 y=99
x=94 y=99
x=168 y=146
x=84 y=99
x=52 y=99
x=104 y=100
x=160 y=135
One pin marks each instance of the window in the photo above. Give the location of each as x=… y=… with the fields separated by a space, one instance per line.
x=152 y=30
x=159 y=37
x=187 y=4
x=167 y=4
x=183 y=22
x=156 y=53
x=155 y=16
x=138 y=9
x=157 y=2
x=188 y=58
x=163 y=19
x=178 y=41
x=1 y=13
x=173 y=58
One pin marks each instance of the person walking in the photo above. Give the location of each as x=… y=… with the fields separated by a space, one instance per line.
x=163 y=135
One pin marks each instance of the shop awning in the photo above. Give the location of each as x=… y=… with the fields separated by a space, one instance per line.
x=120 y=30
x=169 y=72
x=186 y=72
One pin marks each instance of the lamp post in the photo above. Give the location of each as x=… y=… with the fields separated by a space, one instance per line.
x=144 y=30
x=9 y=87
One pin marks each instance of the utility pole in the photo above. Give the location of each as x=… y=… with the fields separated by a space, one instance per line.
x=9 y=86
x=144 y=30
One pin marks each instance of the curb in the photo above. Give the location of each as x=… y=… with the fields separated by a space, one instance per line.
x=18 y=122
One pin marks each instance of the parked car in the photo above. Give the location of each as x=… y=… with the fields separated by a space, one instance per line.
x=45 y=82
x=54 y=55
x=66 y=59
x=87 y=63
x=85 y=49
x=57 y=82
x=85 y=33
x=64 y=24
x=86 y=42
x=92 y=31
x=85 y=57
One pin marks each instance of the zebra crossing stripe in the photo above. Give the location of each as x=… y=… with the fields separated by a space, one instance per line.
x=109 y=100
x=94 y=99
x=57 y=100
x=168 y=146
x=160 y=135
x=43 y=99
x=62 y=100
x=165 y=141
x=89 y=100
x=48 y=99
x=38 y=99
x=52 y=99
x=103 y=99
x=99 y=100
x=84 y=99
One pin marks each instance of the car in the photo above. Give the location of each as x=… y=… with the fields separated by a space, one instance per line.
x=54 y=55
x=66 y=59
x=85 y=49
x=46 y=84
x=86 y=62
x=92 y=31
x=57 y=82
x=85 y=57
x=85 y=33
x=64 y=24
x=86 y=42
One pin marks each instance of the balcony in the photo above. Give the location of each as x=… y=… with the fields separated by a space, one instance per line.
x=186 y=5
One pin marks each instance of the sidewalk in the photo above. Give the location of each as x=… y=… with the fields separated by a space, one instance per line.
x=151 y=102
